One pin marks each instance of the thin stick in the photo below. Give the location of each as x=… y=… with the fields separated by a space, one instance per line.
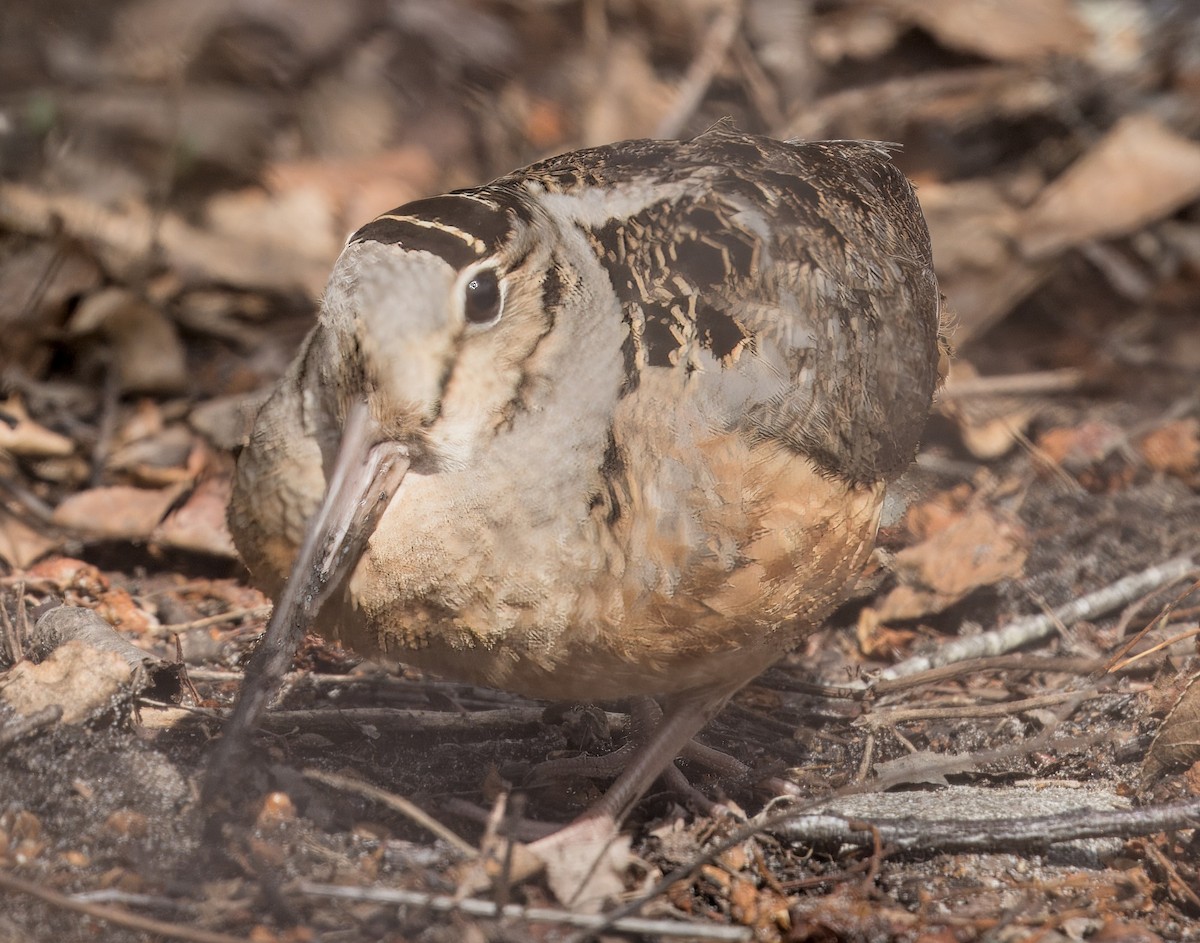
x=444 y=903
x=1165 y=643
x=1175 y=879
x=955 y=836
x=389 y=718
x=1034 y=628
x=396 y=804
x=233 y=615
x=114 y=915
x=1019 y=662
x=768 y=822
x=1003 y=709
x=14 y=651
x=1042 y=381
x=715 y=49
x=1160 y=619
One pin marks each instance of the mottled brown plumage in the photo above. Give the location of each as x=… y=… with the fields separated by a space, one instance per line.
x=638 y=406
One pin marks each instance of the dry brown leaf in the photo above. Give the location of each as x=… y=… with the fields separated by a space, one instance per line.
x=587 y=873
x=39 y=283
x=125 y=238
x=20 y=544
x=118 y=608
x=973 y=226
x=979 y=549
x=1174 y=448
x=63 y=575
x=1192 y=778
x=158 y=459
x=1139 y=172
x=853 y=32
x=146 y=350
x=146 y=419
x=199 y=525
x=1077 y=447
x=41 y=279
x=876 y=640
x=226 y=421
x=902 y=603
x=761 y=908
x=116 y=512
x=27 y=438
x=298 y=221
x=1015 y=30
x=938 y=512
x=1177 y=742
x=544 y=123
x=990 y=426
x=991 y=433
x=355 y=190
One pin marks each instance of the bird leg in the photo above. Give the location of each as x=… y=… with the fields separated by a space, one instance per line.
x=645 y=716
x=683 y=716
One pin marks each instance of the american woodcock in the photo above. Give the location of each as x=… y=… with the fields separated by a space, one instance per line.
x=615 y=424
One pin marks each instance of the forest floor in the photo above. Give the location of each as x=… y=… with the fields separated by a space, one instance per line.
x=176 y=180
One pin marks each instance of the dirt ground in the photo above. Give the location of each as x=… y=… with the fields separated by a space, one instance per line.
x=999 y=730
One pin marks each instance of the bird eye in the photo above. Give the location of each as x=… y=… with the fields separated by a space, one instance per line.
x=481 y=297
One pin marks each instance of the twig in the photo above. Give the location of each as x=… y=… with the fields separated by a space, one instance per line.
x=884 y=718
x=1174 y=879
x=395 y=803
x=974 y=666
x=1165 y=643
x=949 y=763
x=875 y=860
x=767 y=822
x=717 y=41
x=38 y=509
x=1043 y=381
x=120 y=918
x=387 y=718
x=62 y=624
x=233 y=615
x=185 y=680
x=758 y=84
x=1160 y=619
x=1033 y=834
x=106 y=428
x=14 y=650
x=1033 y=628
x=444 y=903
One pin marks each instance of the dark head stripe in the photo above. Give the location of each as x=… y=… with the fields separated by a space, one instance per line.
x=460 y=229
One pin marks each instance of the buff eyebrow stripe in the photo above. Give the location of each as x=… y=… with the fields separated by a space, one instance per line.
x=460 y=228
x=400 y=232
x=471 y=240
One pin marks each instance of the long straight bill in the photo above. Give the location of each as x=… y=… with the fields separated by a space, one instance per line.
x=366 y=474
